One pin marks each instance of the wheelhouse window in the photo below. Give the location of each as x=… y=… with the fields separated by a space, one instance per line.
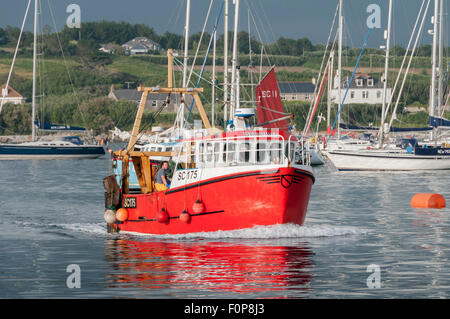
x=209 y=152
x=261 y=152
x=244 y=152
x=217 y=148
x=275 y=152
x=229 y=154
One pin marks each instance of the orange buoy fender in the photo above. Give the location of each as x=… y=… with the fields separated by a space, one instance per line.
x=162 y=216
x=428 y=200
x=185 y=217
x=122 y=214
x=198 y=207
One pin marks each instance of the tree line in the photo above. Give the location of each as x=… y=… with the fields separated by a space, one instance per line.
x=92 y=34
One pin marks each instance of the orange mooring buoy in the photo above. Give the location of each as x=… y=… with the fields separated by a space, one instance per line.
x=122 y=214
x=428 y=200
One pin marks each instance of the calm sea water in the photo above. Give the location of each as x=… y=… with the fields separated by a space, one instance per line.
x=52 y=217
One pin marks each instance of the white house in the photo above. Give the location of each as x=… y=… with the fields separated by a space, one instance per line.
x=364 y=89
x=11 y=96
x=141 y=45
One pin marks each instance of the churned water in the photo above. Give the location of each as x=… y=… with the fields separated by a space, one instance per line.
x=361 y=239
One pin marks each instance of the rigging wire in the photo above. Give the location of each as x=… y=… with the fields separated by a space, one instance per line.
x=206 y=57
x=201 y=38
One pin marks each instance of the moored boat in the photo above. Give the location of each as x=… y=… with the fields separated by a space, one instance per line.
x=69 y=147
x=395 y=160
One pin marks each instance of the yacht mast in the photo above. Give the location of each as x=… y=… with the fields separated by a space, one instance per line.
x=33 y=103
x=441 y=51
x=341 y=22
x=386 y=70
x=330 y=87
x=434 y=63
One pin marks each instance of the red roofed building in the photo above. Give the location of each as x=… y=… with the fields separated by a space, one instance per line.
x=11 y=96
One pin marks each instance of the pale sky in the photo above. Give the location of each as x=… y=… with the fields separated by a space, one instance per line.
x=274 y=18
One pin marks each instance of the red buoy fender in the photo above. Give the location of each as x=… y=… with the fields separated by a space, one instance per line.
x=198 y=207
x=185 y=217
x=162 y=216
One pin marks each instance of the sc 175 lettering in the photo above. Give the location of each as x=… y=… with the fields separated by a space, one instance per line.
x=129 y=202
x=187 y=175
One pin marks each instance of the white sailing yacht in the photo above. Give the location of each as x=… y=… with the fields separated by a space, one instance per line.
x=67 y=147
x=392 y=157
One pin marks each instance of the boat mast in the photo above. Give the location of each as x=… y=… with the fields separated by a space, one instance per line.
x=213 y=93
x=33 y=103
x=234 y=89
x=433 y=70
x=185 y=66
x=225 y=66
x=441 y=51
x=386 y=70
x=330 y=87
x=341 y=22
x=186 y=42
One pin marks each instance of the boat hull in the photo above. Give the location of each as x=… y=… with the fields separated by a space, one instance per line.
x=382 y=161
x=17 y=152
x=235 y=201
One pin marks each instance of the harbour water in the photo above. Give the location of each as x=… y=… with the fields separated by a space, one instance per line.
x=357 y=223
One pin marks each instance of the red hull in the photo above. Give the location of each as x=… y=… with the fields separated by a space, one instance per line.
x=237 y=201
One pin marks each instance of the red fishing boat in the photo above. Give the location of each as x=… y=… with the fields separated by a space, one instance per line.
x=230 y=180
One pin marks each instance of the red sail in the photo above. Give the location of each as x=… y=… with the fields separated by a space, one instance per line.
x=270 y=107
